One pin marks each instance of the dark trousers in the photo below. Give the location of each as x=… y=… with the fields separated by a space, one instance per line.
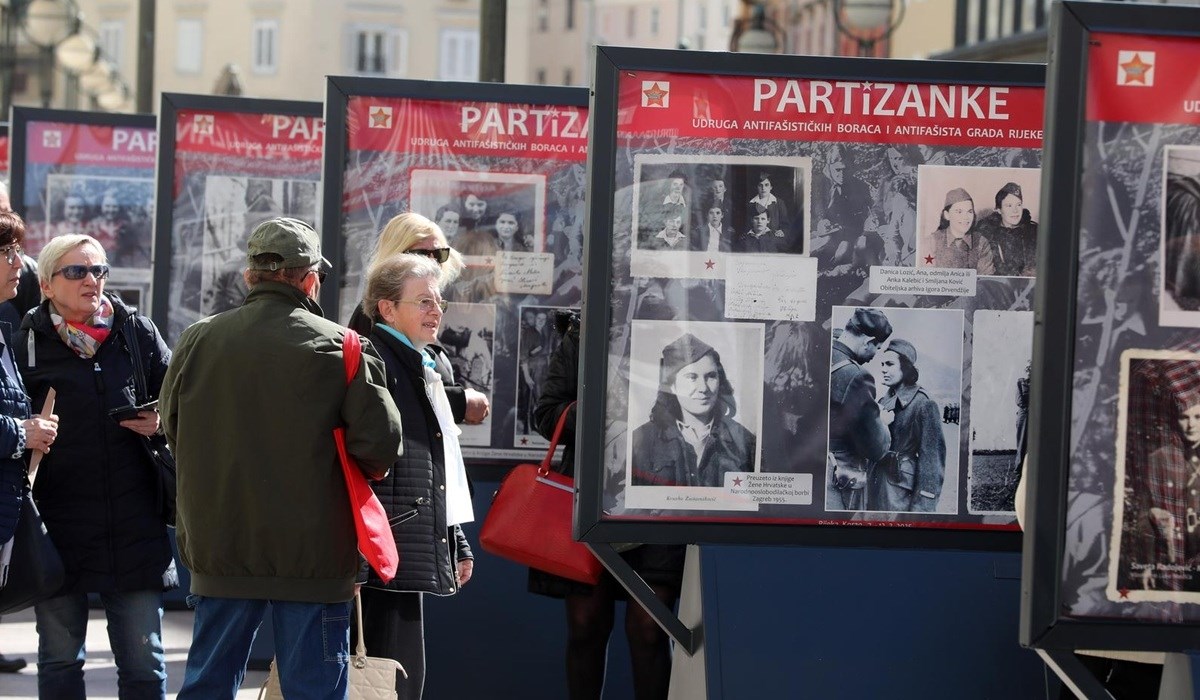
x=393 y=628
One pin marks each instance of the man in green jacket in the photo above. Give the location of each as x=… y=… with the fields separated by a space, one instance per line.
x=249 y=405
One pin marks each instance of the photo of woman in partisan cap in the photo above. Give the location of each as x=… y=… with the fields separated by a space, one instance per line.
x=691 y=438
x=1012 y=234
x=955 y=243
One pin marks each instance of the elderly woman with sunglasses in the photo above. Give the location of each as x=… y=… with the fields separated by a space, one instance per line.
x=414 y=234
x=97 y=488
x=426 y=494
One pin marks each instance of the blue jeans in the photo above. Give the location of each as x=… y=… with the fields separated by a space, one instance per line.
x=312 y=648
x=134 y=631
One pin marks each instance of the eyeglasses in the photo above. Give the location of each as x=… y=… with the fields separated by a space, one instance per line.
x=439 y=254
x=321 y=274
x=78 y=272
x=11 y=253
x=427 y=305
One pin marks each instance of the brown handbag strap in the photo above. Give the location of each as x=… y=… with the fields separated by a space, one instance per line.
x=558 y=429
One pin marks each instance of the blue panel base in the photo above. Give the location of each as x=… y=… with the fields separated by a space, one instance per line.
x=857 y=623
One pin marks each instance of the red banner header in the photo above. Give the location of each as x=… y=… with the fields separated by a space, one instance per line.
x=554 y=132
x=88 y=144
x=655 y=103
x=275 y=136
x=1140 y=78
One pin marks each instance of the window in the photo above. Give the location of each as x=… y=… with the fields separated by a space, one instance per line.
x=376 y=51
x=570 y=14
x=460 y=55
x=189 y=46
x=568 y=77
x=265 y=46
x=112 y=40
x=543 y=15
x=631 y=22
x=654 y=21
x=702 y=19
x=541 y=76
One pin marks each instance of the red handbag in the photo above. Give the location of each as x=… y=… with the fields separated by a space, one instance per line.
x=375 y=541
x=530 y=520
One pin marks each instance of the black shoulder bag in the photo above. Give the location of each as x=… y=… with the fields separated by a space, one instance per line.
x=155 y=445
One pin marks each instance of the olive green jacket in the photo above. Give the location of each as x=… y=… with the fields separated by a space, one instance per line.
x=249 y=405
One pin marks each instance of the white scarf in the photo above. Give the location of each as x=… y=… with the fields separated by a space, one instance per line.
x=458 y=494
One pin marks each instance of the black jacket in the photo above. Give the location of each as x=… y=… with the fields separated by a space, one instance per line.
x=413 y=493
x=14 y=408
x=559 y=390
x=96 y=488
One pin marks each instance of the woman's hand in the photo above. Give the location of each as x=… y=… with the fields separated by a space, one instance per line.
x=477 y=407
x=145 y=424
x=465 y=568
x=40 y=432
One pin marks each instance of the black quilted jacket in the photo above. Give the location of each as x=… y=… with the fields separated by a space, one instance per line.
x=413 y=493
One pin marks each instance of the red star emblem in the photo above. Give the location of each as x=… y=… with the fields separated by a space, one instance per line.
x=709 y=264
x=1124 y=592
x=737 y=481
x=1135 y=70
x=655 y=95
x=524 y=441
x=928 y=259
x=380 y=117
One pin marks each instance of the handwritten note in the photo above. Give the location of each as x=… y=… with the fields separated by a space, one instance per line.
x=524 y=273
x=771 y=287
x=936 y=281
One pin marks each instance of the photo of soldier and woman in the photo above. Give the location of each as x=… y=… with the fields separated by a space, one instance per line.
x=895 y=382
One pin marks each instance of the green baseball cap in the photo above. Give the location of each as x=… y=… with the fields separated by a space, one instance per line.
x=291 y=239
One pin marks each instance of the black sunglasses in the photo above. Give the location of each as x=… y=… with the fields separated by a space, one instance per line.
x=320 y=275
x=439 y=254
x=78 y=272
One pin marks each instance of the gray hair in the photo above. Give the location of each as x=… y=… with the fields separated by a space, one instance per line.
x=59 y=246
x=387 y=277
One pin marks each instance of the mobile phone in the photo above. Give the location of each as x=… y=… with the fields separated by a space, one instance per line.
x=124 y=413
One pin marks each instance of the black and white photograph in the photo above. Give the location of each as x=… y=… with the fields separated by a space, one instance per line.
x=117 y=212
x=1001 y=362
x=537 y=340
x=695 y=408
x=895 y=394
x=485 y=212
x=709 y=205
x=978 y=218
x=1179 y=291
x=468 y=336
x=233 y=206
x=1157 y=555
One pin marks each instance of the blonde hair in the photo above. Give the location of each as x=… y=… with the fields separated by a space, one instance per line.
x=407 y=230
x=59 y=246
x=387 y=278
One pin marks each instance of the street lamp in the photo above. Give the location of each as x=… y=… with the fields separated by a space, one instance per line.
x=47 y=23
x=756 y=34
x=867 y=22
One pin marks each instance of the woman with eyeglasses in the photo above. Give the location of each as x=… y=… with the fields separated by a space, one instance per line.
x=416 y=235
x=98 y=488
x=426 y=494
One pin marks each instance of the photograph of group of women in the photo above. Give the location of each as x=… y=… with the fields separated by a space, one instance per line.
x=982 y=219
x=1156 y=555
x=1179 y=284
x=695 y=398
x=116 y=211
x=895 y=382
x=721 y=204
x=484 y=213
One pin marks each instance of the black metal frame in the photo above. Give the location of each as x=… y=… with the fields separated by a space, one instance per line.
x=1042 y=624
x=20 y=119
x=610 y=61
x=339 y=90
x=164 y=216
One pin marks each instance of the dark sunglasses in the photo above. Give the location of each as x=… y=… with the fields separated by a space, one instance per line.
x=439 y=254
x=321 y=275
x=78 y=272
